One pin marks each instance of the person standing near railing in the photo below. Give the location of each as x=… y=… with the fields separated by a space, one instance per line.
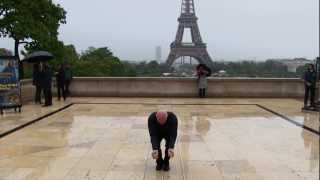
x=203 y=72
x=310 y=78
x=47 y=84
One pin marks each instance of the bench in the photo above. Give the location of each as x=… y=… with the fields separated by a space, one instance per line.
x=16 y=107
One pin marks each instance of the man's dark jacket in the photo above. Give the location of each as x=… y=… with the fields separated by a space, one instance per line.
x=168 y=131
x=311 y=77
x=46 y=78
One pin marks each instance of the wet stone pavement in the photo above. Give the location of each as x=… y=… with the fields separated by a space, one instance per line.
x=107 y=139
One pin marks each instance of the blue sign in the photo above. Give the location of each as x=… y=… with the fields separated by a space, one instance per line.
x=9 y=81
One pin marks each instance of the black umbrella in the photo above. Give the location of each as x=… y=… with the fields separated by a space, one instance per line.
x=205 y=67
x=38 y=56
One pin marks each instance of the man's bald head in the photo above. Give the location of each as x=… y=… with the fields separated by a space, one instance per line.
x=162 y=117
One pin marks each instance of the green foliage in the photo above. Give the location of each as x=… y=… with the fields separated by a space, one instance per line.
x=151 y=69
x=96 y=54
x=63 y=54
x=28 y=72
x=5 y=52
x=269 y=68
x=28 y=20
x=301 y=70
x=129 y=69
x=97 y=62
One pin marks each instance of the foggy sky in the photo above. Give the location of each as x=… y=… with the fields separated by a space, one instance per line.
x=232 y=29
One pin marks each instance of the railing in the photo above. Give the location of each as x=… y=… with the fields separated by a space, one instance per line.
x=187 y=87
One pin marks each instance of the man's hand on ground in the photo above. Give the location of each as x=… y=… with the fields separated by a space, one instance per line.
x=155 y=154
x=171 y=153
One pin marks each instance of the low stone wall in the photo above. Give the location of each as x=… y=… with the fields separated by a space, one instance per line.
x=186 y=87
x=27 y=90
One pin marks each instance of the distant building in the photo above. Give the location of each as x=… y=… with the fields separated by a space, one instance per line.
x=158 y=54
x=293 y=64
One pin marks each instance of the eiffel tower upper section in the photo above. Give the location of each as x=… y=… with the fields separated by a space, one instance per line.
x=187 y=8
x=197 y=48
x=188 y=19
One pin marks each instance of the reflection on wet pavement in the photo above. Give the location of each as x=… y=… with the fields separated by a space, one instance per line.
x=111 y=141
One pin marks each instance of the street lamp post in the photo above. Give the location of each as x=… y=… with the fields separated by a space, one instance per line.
x=318 y=79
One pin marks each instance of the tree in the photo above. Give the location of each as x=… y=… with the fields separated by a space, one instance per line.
x=62 y=53
x=97 y=54
x=5 y=52
x=30 y=22
x=100 y=62
x=152 y=68
x=301 y=70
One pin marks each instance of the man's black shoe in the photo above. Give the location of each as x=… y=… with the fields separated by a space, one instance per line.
x=305 y=108
x=166 y=166
x=159 y=167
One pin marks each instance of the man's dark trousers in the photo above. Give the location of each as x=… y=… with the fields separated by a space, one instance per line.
x=61 y=90
x=48 y=97
x=166 y=158
x=309 y=90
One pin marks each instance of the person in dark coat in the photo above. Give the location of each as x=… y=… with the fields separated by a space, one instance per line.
x=163 y=125
x=310 y=78
x=68 y=78
x=47 y=84
x=61 y=82
x=36 y=81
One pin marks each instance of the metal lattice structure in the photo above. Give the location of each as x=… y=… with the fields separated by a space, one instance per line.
x=197 y=48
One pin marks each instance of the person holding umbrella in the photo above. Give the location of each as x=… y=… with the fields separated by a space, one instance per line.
x=45 y=75
x=47 y=84
x=202 y=72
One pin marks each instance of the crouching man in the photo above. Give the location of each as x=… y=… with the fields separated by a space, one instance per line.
x=163 y=125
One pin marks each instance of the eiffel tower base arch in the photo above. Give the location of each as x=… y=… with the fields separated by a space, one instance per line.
x=200 y=54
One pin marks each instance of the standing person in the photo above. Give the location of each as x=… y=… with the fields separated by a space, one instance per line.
x=162 y=125
x=61 y=82
x=36 y=80
x=47 y=85
x=68 y=78
x=202 y=73
x=310 y=78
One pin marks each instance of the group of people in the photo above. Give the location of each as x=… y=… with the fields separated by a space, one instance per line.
x=42 y=80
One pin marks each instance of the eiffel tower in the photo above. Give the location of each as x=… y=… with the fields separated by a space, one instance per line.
x=197 y=49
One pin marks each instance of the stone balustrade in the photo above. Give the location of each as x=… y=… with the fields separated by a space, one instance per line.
x=178 y=87
x=187 y=87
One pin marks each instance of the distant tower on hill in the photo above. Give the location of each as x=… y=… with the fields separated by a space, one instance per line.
x=158 y=54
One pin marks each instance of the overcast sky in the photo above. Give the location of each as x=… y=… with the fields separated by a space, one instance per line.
x=232 y=29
